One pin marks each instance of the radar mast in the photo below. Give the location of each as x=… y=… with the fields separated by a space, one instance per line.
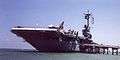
x=86 y=30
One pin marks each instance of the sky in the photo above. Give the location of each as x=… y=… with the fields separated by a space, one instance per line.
x=41 y=13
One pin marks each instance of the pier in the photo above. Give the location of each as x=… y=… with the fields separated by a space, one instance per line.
x=100 y=49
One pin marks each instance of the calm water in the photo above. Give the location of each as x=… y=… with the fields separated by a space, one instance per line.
x=14 y=55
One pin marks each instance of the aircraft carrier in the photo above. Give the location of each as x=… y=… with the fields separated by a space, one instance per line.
x=56 y=39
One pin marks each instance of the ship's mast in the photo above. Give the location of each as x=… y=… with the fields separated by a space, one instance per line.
x=87 y=17
x=86 y=30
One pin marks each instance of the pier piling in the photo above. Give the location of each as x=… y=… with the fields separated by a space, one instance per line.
x=114 y=51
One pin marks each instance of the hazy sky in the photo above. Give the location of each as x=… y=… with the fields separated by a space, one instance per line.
x=106 y=29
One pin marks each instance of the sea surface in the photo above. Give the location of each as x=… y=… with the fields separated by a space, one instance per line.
x=7 y=54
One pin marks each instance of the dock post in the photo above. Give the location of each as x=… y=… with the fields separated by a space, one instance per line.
x=116 y=51
x=99 y=50
x=107 y=51
x=91 y=50
x=103 y=50
x=112 y=51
